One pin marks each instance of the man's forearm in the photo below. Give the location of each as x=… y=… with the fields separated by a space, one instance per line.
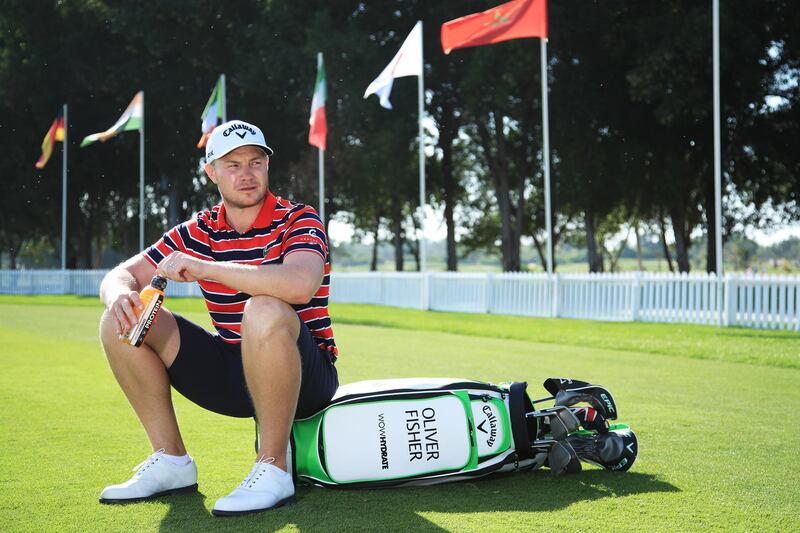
x=291 y=283
x=117 y=282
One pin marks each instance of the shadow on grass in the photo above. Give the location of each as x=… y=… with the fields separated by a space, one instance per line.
x=404 y=508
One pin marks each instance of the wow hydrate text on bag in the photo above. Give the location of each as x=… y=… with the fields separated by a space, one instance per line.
x=404 y=438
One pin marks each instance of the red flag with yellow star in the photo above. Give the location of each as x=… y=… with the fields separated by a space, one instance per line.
x=513 y=20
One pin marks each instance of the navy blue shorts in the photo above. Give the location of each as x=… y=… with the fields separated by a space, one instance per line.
x=208 y=371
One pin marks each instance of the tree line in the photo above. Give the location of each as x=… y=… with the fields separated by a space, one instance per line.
x=631 y=120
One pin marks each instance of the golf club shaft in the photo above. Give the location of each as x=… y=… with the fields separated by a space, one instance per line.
x=544 y=399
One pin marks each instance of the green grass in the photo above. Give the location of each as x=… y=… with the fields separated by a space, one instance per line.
x=761 y=347
x=714 y=452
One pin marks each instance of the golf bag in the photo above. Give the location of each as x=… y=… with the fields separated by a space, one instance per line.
x=423 y=431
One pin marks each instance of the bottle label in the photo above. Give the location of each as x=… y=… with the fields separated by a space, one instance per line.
x=146 y=321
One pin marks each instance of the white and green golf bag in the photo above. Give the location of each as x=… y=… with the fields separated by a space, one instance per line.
x=432 y=430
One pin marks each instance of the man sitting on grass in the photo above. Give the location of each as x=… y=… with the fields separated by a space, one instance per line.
x=262 y=264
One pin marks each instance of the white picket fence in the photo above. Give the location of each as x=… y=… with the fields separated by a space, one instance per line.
x=755 y=301
x=79 y=282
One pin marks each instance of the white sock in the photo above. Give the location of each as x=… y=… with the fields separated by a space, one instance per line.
x=179 y=460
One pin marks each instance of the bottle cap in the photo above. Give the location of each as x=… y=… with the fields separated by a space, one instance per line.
x=159 y=282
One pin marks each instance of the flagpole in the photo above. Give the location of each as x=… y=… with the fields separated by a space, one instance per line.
x=717 y=159
x=321 y=157
x=321 y=185
x=141 y=179
x=421 y=89
x=224 y=98
x=64 y=192
x=546 y=157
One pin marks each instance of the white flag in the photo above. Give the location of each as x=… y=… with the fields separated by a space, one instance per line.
x=407 y=62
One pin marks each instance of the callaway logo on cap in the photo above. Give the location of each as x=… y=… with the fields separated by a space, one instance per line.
x=230 y=136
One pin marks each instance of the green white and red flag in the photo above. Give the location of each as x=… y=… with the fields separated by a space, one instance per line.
x=131 y=119
x=513 y=20
x=213 y=113
x=318 y=122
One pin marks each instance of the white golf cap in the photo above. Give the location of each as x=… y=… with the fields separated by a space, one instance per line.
x=230 y=136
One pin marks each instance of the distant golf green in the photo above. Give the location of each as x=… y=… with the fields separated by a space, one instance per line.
x=713 y=408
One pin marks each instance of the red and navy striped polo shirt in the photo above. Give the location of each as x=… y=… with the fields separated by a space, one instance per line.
x=281 y=228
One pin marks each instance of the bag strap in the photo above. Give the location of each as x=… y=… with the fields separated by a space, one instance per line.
x=519 y=404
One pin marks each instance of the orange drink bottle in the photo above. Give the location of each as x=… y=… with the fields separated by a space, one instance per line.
x=152 y=298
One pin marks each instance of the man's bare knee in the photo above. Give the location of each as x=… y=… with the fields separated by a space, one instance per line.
x=108 y=329
x=163 y=338
x=265 y=316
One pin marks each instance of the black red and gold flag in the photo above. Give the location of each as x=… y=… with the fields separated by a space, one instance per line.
x=54 y=134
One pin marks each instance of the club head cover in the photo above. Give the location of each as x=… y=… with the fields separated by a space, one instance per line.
x=590 y=419
x=615 y=450
x=595 y=395
x=553 y=385
x=569 y=392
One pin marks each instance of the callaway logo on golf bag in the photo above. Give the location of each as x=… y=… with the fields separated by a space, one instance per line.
x=490 y=418
x=428 y=430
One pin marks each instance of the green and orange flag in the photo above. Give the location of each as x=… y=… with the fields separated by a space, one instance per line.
x=318 y=122
x=513 y=20
x=54 y=134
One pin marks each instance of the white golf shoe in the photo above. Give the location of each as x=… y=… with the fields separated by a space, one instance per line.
x=266 y=487
x=155 y=476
